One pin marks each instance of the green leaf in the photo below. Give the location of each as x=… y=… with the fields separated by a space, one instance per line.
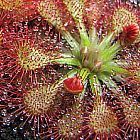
x=109 y=82
x=109 y=53
x=112 y=86
x=75 y=7
x=93 y=37
x=84 y=73
x=50 y=12
x=112 y=67
x=85 y=42
x=66 y=54
x=106 y=42
x=68 y=61
x=75 y=47
x=95 y=85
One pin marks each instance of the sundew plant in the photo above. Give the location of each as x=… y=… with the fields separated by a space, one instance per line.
x=69 y=70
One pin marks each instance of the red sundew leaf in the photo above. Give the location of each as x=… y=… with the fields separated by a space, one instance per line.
x=131 y=55
x=131 y=86
x=75 y=8
x=93 y=11
x=131 y=82
x=1 y=38
x=131 y=121
x=5 y=17
x=25 y=56
x=101 y=121
x=27 y=11
x=10 y=5
x=129 y=112
x=33 y=105
x=48 y=10
x=66 y=15
x=57 y=14
x=20 y=9
x=69 y=126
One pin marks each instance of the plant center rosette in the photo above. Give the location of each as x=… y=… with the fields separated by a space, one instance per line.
x=93 y=60
x=20 y=10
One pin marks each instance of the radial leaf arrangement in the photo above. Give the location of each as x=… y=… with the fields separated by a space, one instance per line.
x=69 y=70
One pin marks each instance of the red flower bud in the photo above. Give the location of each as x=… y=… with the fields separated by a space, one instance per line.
x=130 y=33
x=74 y=85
